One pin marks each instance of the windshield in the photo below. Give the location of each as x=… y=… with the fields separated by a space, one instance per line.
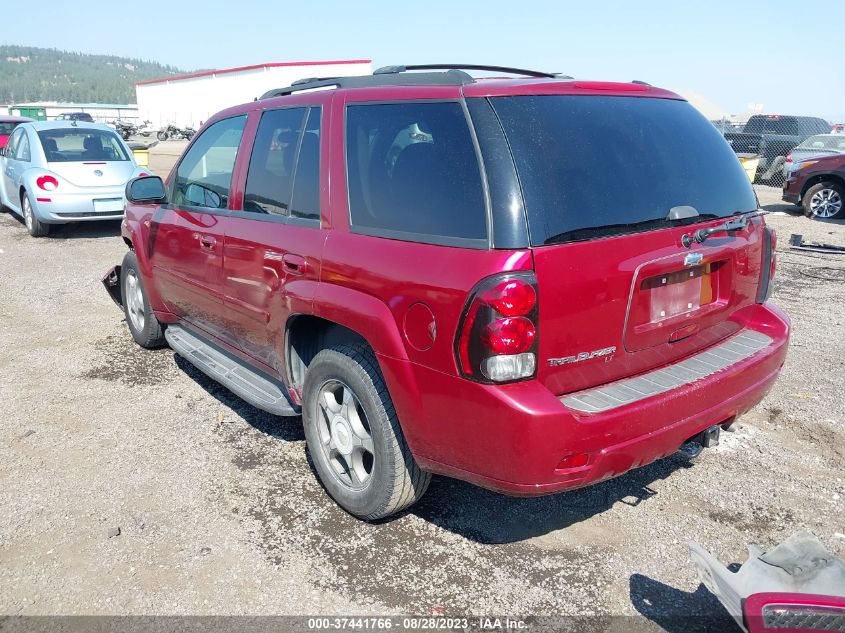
x=833 y=141
x=599 y=166
x=66 y=145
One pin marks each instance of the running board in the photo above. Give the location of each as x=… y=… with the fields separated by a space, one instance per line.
x=230 y=372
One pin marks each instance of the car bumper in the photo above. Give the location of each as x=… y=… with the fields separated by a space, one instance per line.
x=792 y=189
x=512 y=438
x=106 y=203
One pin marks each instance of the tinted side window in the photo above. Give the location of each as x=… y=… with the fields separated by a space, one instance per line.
x=204 y=176
x=412 y=168
x=306 y=186
x=271 y=167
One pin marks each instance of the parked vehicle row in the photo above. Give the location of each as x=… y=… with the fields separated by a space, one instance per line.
x=413 y=263
x=54 y=172
x=174 y=132
x=772 y=137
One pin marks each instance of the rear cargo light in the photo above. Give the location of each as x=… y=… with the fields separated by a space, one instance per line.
x=143 y=174
x=497 y=336
x=47 y=183
x=768 y=265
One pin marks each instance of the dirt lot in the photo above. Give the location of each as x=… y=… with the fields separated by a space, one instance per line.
x=219 y=513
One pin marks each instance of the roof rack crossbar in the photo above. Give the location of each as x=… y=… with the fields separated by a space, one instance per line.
x=499 y=69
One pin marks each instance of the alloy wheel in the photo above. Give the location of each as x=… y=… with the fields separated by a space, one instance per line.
x=826 y=203
x=134 y=298
x=344 y=433
x=27 y=213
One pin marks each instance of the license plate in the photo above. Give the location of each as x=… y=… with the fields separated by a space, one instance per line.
x=679 y=292
x=108 y=205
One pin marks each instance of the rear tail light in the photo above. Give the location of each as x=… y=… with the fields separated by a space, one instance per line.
x=497 y=336
x=47 y=183
x=768 y=265
x=143 y=174
x=789 y=158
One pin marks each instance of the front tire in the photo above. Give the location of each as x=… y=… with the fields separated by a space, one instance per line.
x=36 y=227
x=826 y=201
x=161 y=135
x=142 y=322
x=354 y=437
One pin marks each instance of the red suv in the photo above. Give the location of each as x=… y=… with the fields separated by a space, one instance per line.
x=532 y=283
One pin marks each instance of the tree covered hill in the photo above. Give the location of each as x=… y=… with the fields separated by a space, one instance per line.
x=45 y=74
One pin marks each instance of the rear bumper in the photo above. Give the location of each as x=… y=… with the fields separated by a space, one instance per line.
x=51 y=208
x=512 y=438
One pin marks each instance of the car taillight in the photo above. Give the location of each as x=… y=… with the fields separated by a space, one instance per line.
x=789 y=158
x=768 y=265
x=143 y=174
x=47 y=183
x=498 y=334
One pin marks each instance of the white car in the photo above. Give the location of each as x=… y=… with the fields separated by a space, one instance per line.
x=54 y=172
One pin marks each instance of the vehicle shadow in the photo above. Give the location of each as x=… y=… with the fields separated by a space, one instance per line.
x=78 y=230
x=491 y=518
x=469 y=511
x=677 y=611
x=287 y=429
x=783 y=207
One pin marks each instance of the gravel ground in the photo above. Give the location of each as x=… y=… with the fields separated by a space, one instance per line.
x=218 y=511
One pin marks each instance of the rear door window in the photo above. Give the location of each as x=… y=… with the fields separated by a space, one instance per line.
x=599 y=166
x=204 y=176
x=413 y=173
x=306 y=187
x=284 y=169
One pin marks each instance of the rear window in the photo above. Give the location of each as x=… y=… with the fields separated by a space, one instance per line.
x=65 y=145
x=599 y=166
x=413 y=173
x=6 y=127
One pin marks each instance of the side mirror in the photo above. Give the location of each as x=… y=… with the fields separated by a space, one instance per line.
x=146 y=190
x=201 y=196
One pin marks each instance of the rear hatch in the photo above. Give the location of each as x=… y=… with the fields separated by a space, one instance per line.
x=86 y=156
x=611 y=185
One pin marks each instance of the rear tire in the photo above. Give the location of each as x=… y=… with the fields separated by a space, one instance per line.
x=824 y=201
x=142 y=322
x=36 y=227
x=354 y=437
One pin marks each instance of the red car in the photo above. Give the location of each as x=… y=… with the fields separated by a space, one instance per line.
x=529 y=283
x=8 y=125
x=818 y=185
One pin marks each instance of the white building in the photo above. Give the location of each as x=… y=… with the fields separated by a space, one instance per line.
x=193 y=98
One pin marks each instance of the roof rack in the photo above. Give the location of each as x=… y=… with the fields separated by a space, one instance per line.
x=389 y=70
x=454 y=75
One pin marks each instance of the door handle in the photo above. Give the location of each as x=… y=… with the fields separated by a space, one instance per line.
x=294 y=264
x=207 y=242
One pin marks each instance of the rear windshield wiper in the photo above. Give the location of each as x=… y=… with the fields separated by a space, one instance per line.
x=672 y=219
x=737 y=223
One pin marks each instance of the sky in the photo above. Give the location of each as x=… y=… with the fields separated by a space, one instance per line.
x=785 y=56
